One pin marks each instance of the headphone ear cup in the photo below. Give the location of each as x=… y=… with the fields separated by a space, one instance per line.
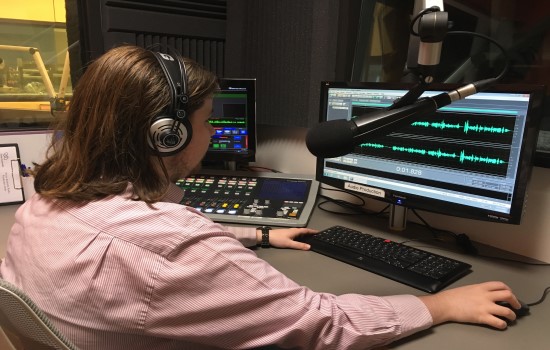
x=167 y=141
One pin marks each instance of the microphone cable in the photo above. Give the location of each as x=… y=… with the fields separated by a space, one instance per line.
x=492 y=41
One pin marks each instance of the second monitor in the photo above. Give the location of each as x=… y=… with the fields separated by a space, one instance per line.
x=234 y=122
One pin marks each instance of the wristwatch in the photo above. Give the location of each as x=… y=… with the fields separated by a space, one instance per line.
x=265 y=236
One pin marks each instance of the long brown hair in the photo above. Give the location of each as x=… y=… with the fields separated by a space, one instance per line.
x=103 y=145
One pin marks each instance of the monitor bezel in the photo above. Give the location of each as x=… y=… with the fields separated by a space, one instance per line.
x=526 y=159
x=232 y=156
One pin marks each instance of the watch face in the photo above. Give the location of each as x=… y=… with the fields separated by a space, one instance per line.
x=265 y=236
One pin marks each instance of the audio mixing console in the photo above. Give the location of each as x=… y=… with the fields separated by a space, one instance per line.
x=251 y=198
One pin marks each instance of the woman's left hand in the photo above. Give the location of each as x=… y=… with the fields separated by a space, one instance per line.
x=285 y=237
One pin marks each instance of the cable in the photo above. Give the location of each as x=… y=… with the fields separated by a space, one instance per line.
x=356 y=208
x=462 y=240
x=342 y=203
x=361 y=199
x=544 y=294
x=494 y=42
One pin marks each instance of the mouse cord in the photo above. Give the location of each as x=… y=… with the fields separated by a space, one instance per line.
x=544 y=294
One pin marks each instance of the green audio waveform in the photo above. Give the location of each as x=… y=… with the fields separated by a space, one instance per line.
x=227 y=121
x=438 y=153
x=466 y=127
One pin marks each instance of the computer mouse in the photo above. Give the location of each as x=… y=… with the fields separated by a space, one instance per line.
x=522 y=311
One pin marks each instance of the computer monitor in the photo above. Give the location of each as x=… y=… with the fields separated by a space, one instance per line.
x=470 y=159
x=234 y=122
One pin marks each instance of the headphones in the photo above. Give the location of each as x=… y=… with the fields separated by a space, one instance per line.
x=171 y=131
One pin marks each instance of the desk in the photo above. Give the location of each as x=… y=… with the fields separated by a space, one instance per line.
x=324 y=274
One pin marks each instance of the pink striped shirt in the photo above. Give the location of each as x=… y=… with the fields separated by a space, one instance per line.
x=120 y=274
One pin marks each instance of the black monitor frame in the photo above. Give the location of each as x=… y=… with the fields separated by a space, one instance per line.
x=238 y=86
x=409 y=200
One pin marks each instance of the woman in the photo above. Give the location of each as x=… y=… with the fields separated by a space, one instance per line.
x=107 y=251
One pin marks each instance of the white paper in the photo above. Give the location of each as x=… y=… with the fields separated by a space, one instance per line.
x=11 y=190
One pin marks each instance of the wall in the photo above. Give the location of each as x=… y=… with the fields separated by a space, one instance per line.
x=290 y=47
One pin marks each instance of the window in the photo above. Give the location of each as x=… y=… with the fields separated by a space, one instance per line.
x=34 y=68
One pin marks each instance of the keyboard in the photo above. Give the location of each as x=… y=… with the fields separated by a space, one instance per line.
x=246 y=197
x=417 y=268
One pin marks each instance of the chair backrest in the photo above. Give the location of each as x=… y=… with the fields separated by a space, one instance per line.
x=20 y=316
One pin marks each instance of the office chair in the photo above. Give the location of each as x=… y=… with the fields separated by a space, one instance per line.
x=20 y=316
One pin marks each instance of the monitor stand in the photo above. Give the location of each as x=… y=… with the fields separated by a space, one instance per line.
x=398 y=217
x=231 y=165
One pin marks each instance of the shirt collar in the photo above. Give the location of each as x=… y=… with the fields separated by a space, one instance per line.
x=174 y=194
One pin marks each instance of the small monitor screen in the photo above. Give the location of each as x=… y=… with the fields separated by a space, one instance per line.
x=234 y=121
x=471 y=158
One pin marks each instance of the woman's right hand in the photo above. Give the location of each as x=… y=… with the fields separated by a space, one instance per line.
x=473 y=304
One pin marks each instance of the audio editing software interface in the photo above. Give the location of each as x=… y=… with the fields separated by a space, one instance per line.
x=251 y=198
x=474 y=143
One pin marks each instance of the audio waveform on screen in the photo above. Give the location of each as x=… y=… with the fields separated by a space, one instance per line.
x=466 y=127
x=468 y=141
x=461 y=156
x=474 y=127
x=489 y=158
x=226 y=121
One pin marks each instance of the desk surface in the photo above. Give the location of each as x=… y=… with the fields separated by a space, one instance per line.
x=324 y=274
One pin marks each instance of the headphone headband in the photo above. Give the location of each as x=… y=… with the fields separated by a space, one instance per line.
x=175 y=73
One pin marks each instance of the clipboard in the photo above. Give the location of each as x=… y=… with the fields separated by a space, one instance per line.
x=11 y=187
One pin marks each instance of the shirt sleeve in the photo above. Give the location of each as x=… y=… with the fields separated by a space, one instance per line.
x=216 y=292
x=245 y=235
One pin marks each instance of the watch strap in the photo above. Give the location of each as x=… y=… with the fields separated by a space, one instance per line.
x=265 y=236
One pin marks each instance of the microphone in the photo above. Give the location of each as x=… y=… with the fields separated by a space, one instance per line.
x=339 y=137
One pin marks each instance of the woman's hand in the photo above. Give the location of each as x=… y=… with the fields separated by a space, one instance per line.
x=473 y=304
x=284 y=238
